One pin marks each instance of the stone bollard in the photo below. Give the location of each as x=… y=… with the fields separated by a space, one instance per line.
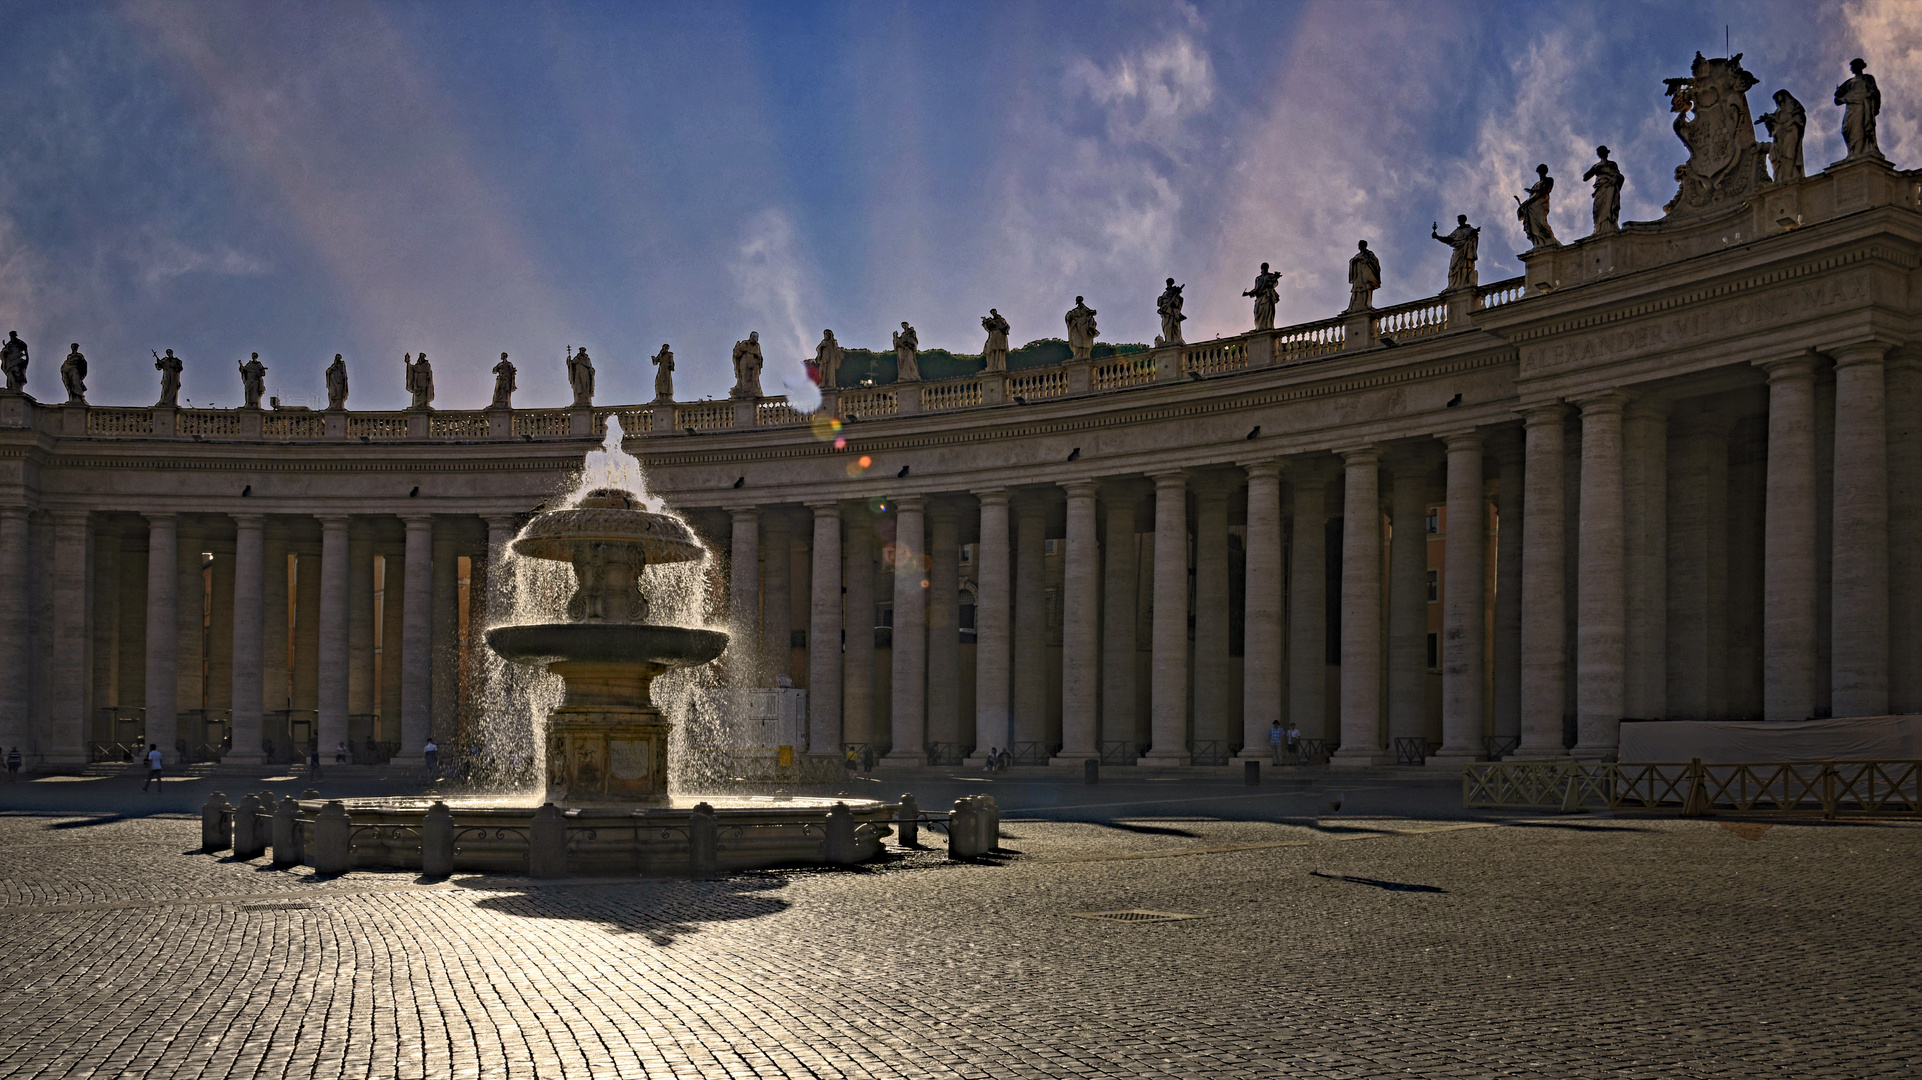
x=214 y=830
x=310 y=795
x=437 y=841
x=964 y=829
x=839 y=842
x=990 y=824
x=283 y=832
x=908 y=820
x=1251 y=773
x=703 y=843
x=332 y=844
x=248 y=840
x=547 y=843
x=1091 y=771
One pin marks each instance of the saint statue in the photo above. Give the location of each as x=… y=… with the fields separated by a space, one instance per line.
x=1463 y=244
x=169 y=367
x=73 y=375
x=1785 y=126
x=420 y=381
x=580 y=376
x=1364 y=277
x=253 y=382
x=1168 y=306
x=1533 y=211
x=995 y=350
x=1081 y=330
x=1861 y=102
x=337 y=384
x=747 y=367
x=1267 y=294
x=504 y=384
x=13 y=360
x=664 y=374
x=907 y=343
x=827 y=358
x=1608 y=193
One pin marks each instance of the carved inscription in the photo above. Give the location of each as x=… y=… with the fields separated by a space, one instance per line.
x=1704 y=323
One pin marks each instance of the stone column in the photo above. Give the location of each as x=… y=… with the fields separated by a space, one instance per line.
x=777 y=600
x=824 y=632
x=275 y=691
x=250 y=581
x=1168 y=701
x=1261 y=670
x=72 y=651
x=305 y=664
x=1698 y=554
x=1081 y=630
x=993 y=622
x=16 y=629
x=944 y=623
x=417 y=639
x=445 y=703
x=1408 y=600
x=1464 y=599
x=1214 y=718
x=744 y=598
x=1544 y=642
x=1118 y=706
x=1031 y=622
x=1508 y=590
x=105 y=584
x=1902 y=372
x=857 y=662
x=910 y=650
x=1859 y=621
x=1308 y=602
x=1600 y=645
x=333 y=632
x=1788 y=543
x=1645 y=555
x=361 y=692
x=163 y=633
x=1361 y=608
x=190 y=628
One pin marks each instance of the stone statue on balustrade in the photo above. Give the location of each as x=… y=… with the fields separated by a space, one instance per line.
x=169 y=367
x=1533 y=211
x=253 y=382
x=73 y=375
x=337 y=384
x=1725 y=163
x=1364 y=277
x=1861 y=102
x=504 y=384
x=1608 y=193
x=1081 y=329
x=827 y=359
x=747 y=367
x=995 y=349
x=664 y=374
x=907 y=349
x=420 y=381
x=1785 y=125
x=1463 y=245
x=1168 y=306
x=580 y=376
x=13 y=360
x=1267 y=294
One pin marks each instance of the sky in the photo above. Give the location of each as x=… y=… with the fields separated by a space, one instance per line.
x=376 y=179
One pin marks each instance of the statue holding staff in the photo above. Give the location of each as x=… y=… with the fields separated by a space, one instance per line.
x=995 y=350
x=1168 y=306
x=1267 y=294
x=169 y=367
x=420 y=381
x=1463 y=245
x=580 y=376
x=664 y=374
x=253 y=382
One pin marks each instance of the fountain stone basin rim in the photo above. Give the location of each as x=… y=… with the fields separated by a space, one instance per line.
x=607 y=643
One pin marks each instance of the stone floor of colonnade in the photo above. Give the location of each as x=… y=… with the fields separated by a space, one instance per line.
x=1401 y=936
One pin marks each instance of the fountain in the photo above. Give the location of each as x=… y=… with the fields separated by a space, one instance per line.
x=607 y=805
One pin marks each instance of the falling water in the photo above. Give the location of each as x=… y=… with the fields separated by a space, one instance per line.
x=515 y=699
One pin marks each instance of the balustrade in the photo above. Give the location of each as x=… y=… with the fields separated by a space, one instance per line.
x=120 y=421
x=705 y=416
x=468 y=425
x=1306 y=341
x=1124 y=371
x=868 y=403
x=1503 y=292
x=776 y=412
x=543 y=423
x=953 y=394
x=377 y=426
x=633 y=421
x=1408 y=321
x=1215 y=357
x=293 y=425
x=1046 y=383
x=206 y=422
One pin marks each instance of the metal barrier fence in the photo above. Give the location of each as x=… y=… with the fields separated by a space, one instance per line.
x=948 y=753
x=1828 y=787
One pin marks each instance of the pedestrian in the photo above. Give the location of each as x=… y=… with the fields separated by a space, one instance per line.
x=1275 y=740
x=1294 y=741
x=432 y=754
x=313 y=761
x=1007 y=760
x=867 y=760
x=993 y=761
x=13 y=765
x=340 y=753
x=853 y=761
x=153 y=767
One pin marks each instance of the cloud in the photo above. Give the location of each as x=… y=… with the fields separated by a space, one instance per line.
x=1888 y=34
x=776 y=288
x=1149 y=95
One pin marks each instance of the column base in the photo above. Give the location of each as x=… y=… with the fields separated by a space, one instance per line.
x=1066 y=760
x=1360 y=759
x=1156 y=757
x=900 y=760
x=245 y=761
x=1527 y=753
x=1450 y=759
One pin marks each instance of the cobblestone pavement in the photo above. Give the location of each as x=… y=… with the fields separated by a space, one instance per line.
x=1325 y=947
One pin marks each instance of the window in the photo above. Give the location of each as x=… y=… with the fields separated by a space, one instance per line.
x=1434 y=521
x=1434 y=652
x=967 y=623
x=1434 y=586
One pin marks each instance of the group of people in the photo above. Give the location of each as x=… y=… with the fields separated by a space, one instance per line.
x=997 y=759
x=1285 y=741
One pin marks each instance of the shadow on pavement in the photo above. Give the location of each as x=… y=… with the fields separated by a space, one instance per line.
x=1391 y=886
x=662 y=909
x=1152 y=830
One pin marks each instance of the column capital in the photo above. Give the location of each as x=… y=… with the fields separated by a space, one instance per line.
x=1360 y=456
x=249 y=521
x=909 y=503
x=69 y=516
x=830 y=508
x=1861 y=352
x=1547 y=412
x=1460 y=438
x=1121 y=490
x=417 y=521
x=1648 y=405
x=996 y=495
x=1795 y=365
x=942 y=509
x=334 y=521
x=1171 y=479
x=1081 y=489
x=15 y=513
x=1265 y=469
x=1610 y=401
x=162 y=517
x=739 y=514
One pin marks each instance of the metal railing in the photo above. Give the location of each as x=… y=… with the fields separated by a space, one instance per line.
x=1122 y=751
x=948 y=753
x=1212 y=752
x=1827 y=787
x=1411 y=750
x=1498 y=747
x=1031 y=753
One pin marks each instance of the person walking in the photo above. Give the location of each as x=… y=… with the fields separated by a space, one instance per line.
x=153 y=767
x=313 y=761
x=867 y=760
x=1275 y=740
x=13 y=765
x=1294 y=741
x=432 y=754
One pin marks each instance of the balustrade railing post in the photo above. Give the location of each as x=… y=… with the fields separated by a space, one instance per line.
x=214 y=827
x=907 y=398
x=1167 y=363
x=1080 y=376
x=994 y=388
x=745 y=411
x=417 y=424
x=580 y=421
x=547 y=843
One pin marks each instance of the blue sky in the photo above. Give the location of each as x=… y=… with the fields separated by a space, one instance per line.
x=466 y=179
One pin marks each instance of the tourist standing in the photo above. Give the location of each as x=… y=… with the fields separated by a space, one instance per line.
x=1294 y=741
x=313 y=761
x=867 y=760
x=153 y=767
x=1274 y=740
x=432 y=754
x=13 y=765
x=340 y=753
